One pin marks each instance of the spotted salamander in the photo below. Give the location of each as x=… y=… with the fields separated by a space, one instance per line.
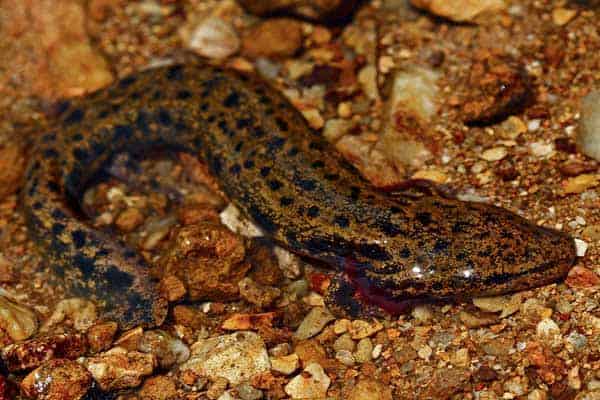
x=285 y=177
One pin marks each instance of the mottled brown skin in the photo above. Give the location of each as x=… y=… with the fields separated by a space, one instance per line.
x=286 y=178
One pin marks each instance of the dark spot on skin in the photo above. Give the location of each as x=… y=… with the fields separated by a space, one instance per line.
x=332 y=177
x=204 y=106
x=84 y=264
x=395 y=210
x=306 y=184
x=238 y=147
x=117 y=279
x=123 y=132
x=262 y=219
x=184 y=94
x=80 y=154
x=242 y=123
x=459 y=227
x=258 y=132
x=49 y=137
x=354 y=192
x=58 y=214
x=293 y=151
x=127 y=81
x=248 y=164
x=157 y=95
x=286 y=201
x=235 y=169
x=334 y=244
x=78 y=137
x=405 y=253
x=53 y=187
x=313 y=211
x=341 y=221
x=98 y=148
x=390 y=229
x=175 y=73
x=232 y=100
x=437 y=286
x=264 y=171
x=50 y=153
x=461 y=256
x=211 y=118
x=440 y=245
x=275 y=143
x=316 y=146
x=141 y=122
x=58 y=228
x=37 y=205
x=164 y=118
x=424 y=218
x=282 y=124
x=75 y=116
x=129 y=254
x=373 y=251
x=73 y=180
x=318 y=164
x=78 y=238
x=58 y=247
x=217 y=164
x=275 y=184
x=264 y=99
x=225 y=128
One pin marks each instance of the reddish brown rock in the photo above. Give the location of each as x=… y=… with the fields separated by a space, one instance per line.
x=57 y=379
x=279 y=37
x=159 y=388
x=497 y=89
x=100 y=336
x=32 y=353
x=208 y=259
x=322 y=10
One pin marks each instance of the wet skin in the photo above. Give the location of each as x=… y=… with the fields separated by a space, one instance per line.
x=285 y=177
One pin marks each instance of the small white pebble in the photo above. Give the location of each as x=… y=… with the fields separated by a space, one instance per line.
x=534 y=125
x=581 y=247
x=377 y=351
x=580 y=220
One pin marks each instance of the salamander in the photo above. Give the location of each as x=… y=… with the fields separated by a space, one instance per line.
x=286 y=178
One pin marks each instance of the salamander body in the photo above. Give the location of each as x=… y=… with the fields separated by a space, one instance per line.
x=285 y=177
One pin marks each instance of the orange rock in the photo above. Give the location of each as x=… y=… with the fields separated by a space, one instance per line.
x=581 y=277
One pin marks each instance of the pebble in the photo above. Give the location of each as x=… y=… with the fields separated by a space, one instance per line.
x=364 y=350
x=547 y=328
x=81 y=312
x=312 y=383
x=312 y=9
x=100 y=336
x=370 y=389
x=119 y=368
x=581 y=277
x=460 y=10
x=33 y=352
x=274 y=37
x=313 y=323
x=57 y=379
x=285 y=365
x=588 y=133
x=212 y=37
x=360 y=329
x=172 y=288
x=261 y=296
x=580 y=183
x=17 y=320
x=494 y=154
x=581 y=247
x=506 y=304
x=159 y=387
x=129 y=219
x=345 y=357
x=247 y=392
x=344 y=342
x=422 y=313
x=242 y=322
x=562 y=16
x=236 y=357
x=167 y=349
x=233 y=219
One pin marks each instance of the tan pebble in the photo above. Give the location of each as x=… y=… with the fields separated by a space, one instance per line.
x=159 y=388
x=58 y=379
x=494 y=154
x=100 y=336
x=119 y=368
x=562 y=16
x=275 y=37
x=581 y=183
x=17 y=320
x=212 y=37
x=360 y=329
x=285 y=365
x=172 y=288
x=312 y=383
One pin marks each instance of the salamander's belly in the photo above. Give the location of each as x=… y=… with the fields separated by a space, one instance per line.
x=285 y=177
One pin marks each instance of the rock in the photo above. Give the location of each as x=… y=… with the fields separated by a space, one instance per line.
x=312 y=383
x=242 y=322
x=81 y=312
x=360 y=329
x=100 y=336
x=285 y=365
x=322 y=10
x=274 y=37
x=547 y=328
x=497 y=89
x=208 y=259
x=217 y=388
x=313 y=323
x=172 y=289
x=119 y=368
x=509 y=304
x=57 y=379
x=581 y=277
x=159 y=388
x=32 y=353
x=260 y=295
x=12 y=167
x=18 y=321
x=460 y=10
x=494 y=154
x=447 y=382
x=232 y=219
x=370 y=389
x=60 y=60
x=562 y=16
x=580 y=183
x=364 y=349
x=345 y=357
x=588 y=133
x=167 y=349
x=236 y=357
x=247 y=392
x=344 y=342
x=212 y=37
x=129 y=219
